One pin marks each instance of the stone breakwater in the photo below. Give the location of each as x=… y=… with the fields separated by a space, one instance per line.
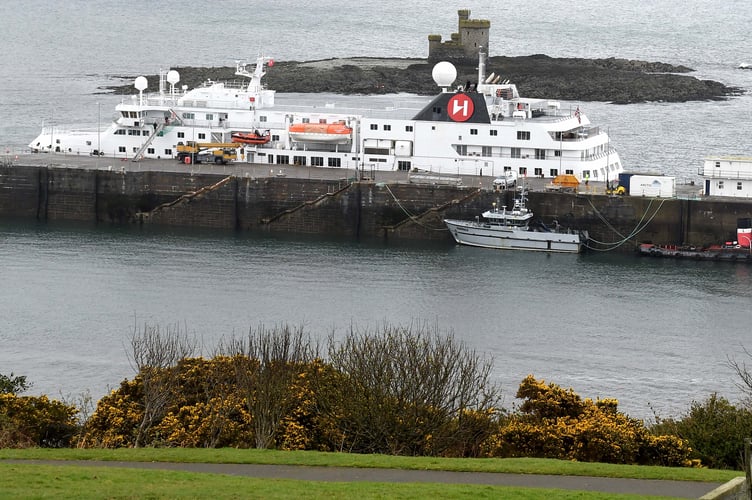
x=620 y=81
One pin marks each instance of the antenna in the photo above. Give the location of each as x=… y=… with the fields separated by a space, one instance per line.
x=140 y=85
x=173 y=77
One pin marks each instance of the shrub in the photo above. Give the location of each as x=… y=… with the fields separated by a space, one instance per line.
x=35 y=421
x=13 y=385
x=716 y=431
x=407 y=391
x=556 y=423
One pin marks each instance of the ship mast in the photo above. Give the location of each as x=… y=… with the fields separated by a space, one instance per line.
x=481 y=66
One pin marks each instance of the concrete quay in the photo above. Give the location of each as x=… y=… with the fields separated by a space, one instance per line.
x=337 y=202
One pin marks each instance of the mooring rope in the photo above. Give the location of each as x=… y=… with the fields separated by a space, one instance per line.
x=639 y=227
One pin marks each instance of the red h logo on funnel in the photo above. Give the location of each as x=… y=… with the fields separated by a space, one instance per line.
x=460 y=108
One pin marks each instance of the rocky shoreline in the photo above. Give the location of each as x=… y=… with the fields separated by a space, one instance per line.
x=620 y=81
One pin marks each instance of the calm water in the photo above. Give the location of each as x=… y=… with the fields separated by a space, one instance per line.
x=642 y=331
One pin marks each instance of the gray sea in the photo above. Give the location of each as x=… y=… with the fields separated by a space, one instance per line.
x=654 y=334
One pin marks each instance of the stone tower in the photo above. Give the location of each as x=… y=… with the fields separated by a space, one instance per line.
x=472 y=34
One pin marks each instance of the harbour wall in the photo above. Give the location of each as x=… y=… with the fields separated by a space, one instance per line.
x=344 y=207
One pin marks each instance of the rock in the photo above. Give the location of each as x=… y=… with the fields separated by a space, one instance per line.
x=614 y=80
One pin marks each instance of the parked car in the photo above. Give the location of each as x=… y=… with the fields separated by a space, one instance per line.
x=507 y=180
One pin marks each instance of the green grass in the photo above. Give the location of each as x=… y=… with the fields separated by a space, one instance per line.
x=63 y=482
x=311 y=458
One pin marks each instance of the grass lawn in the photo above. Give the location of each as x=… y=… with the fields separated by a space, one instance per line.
x=49 y=481
x=41 y=481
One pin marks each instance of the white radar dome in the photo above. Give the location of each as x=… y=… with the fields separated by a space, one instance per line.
x=444 y=74
x=140 y=83
x=173 y=77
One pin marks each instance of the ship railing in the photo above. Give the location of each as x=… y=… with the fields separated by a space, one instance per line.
x=610 y=151
x=71 y=129
x=601 y=154
x=720 y=174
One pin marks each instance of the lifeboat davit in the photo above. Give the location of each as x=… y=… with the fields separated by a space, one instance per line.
x=320 y=132
x=255 y=137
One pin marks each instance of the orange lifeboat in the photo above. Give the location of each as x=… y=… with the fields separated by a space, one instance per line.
x=320 y=132
x=255 y=137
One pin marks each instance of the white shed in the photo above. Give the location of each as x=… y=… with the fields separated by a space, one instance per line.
x=654 y=186
x=728 y=176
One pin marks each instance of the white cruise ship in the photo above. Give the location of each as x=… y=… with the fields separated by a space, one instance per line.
x=484 y=128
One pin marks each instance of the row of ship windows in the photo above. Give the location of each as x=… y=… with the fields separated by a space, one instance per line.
x=318 y=161
x=522 y=135
x=540 y=154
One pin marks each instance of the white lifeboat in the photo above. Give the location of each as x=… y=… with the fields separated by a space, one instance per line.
x=335 y=133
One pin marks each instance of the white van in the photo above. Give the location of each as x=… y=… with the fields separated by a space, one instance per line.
x=507 y=180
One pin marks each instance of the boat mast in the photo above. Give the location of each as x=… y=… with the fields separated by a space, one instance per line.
x=481 y=66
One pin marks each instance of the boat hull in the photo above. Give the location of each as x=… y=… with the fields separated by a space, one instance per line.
x=478 y=234
x=713 y=253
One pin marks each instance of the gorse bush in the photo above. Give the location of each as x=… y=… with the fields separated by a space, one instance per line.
x=392 y=391
x=35 y=421
x=556 y=423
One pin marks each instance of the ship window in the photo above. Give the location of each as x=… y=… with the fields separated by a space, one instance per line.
x=523 y=135
x=283 y=160
x=523 y=170
x=299 y=160
x=739 y=186
x=181 y=135
x=168 y=152
x=720 y=184
x=540 y=154
x=270 y=159
x=335 y=162
x=306 y=120
x=150 y=151
x=88 y=143
x=539 y=172
x=317 y=161
x=387 y=127
x=408 y=128
x=403 y=165
x=486 y=151
x=461 y=149
x=262 y=118
x=493 y=133
x=717 y=164
x=120 y=131
x=209 y=117
x=516 y=153
x=202 y=136
x=135 y=149
x=376 y=151
x=374 y=126
x=553 y=172
x=473 y=131
x=188 y=116
x=569 y=171
x=557 y=153
x=121 y=149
